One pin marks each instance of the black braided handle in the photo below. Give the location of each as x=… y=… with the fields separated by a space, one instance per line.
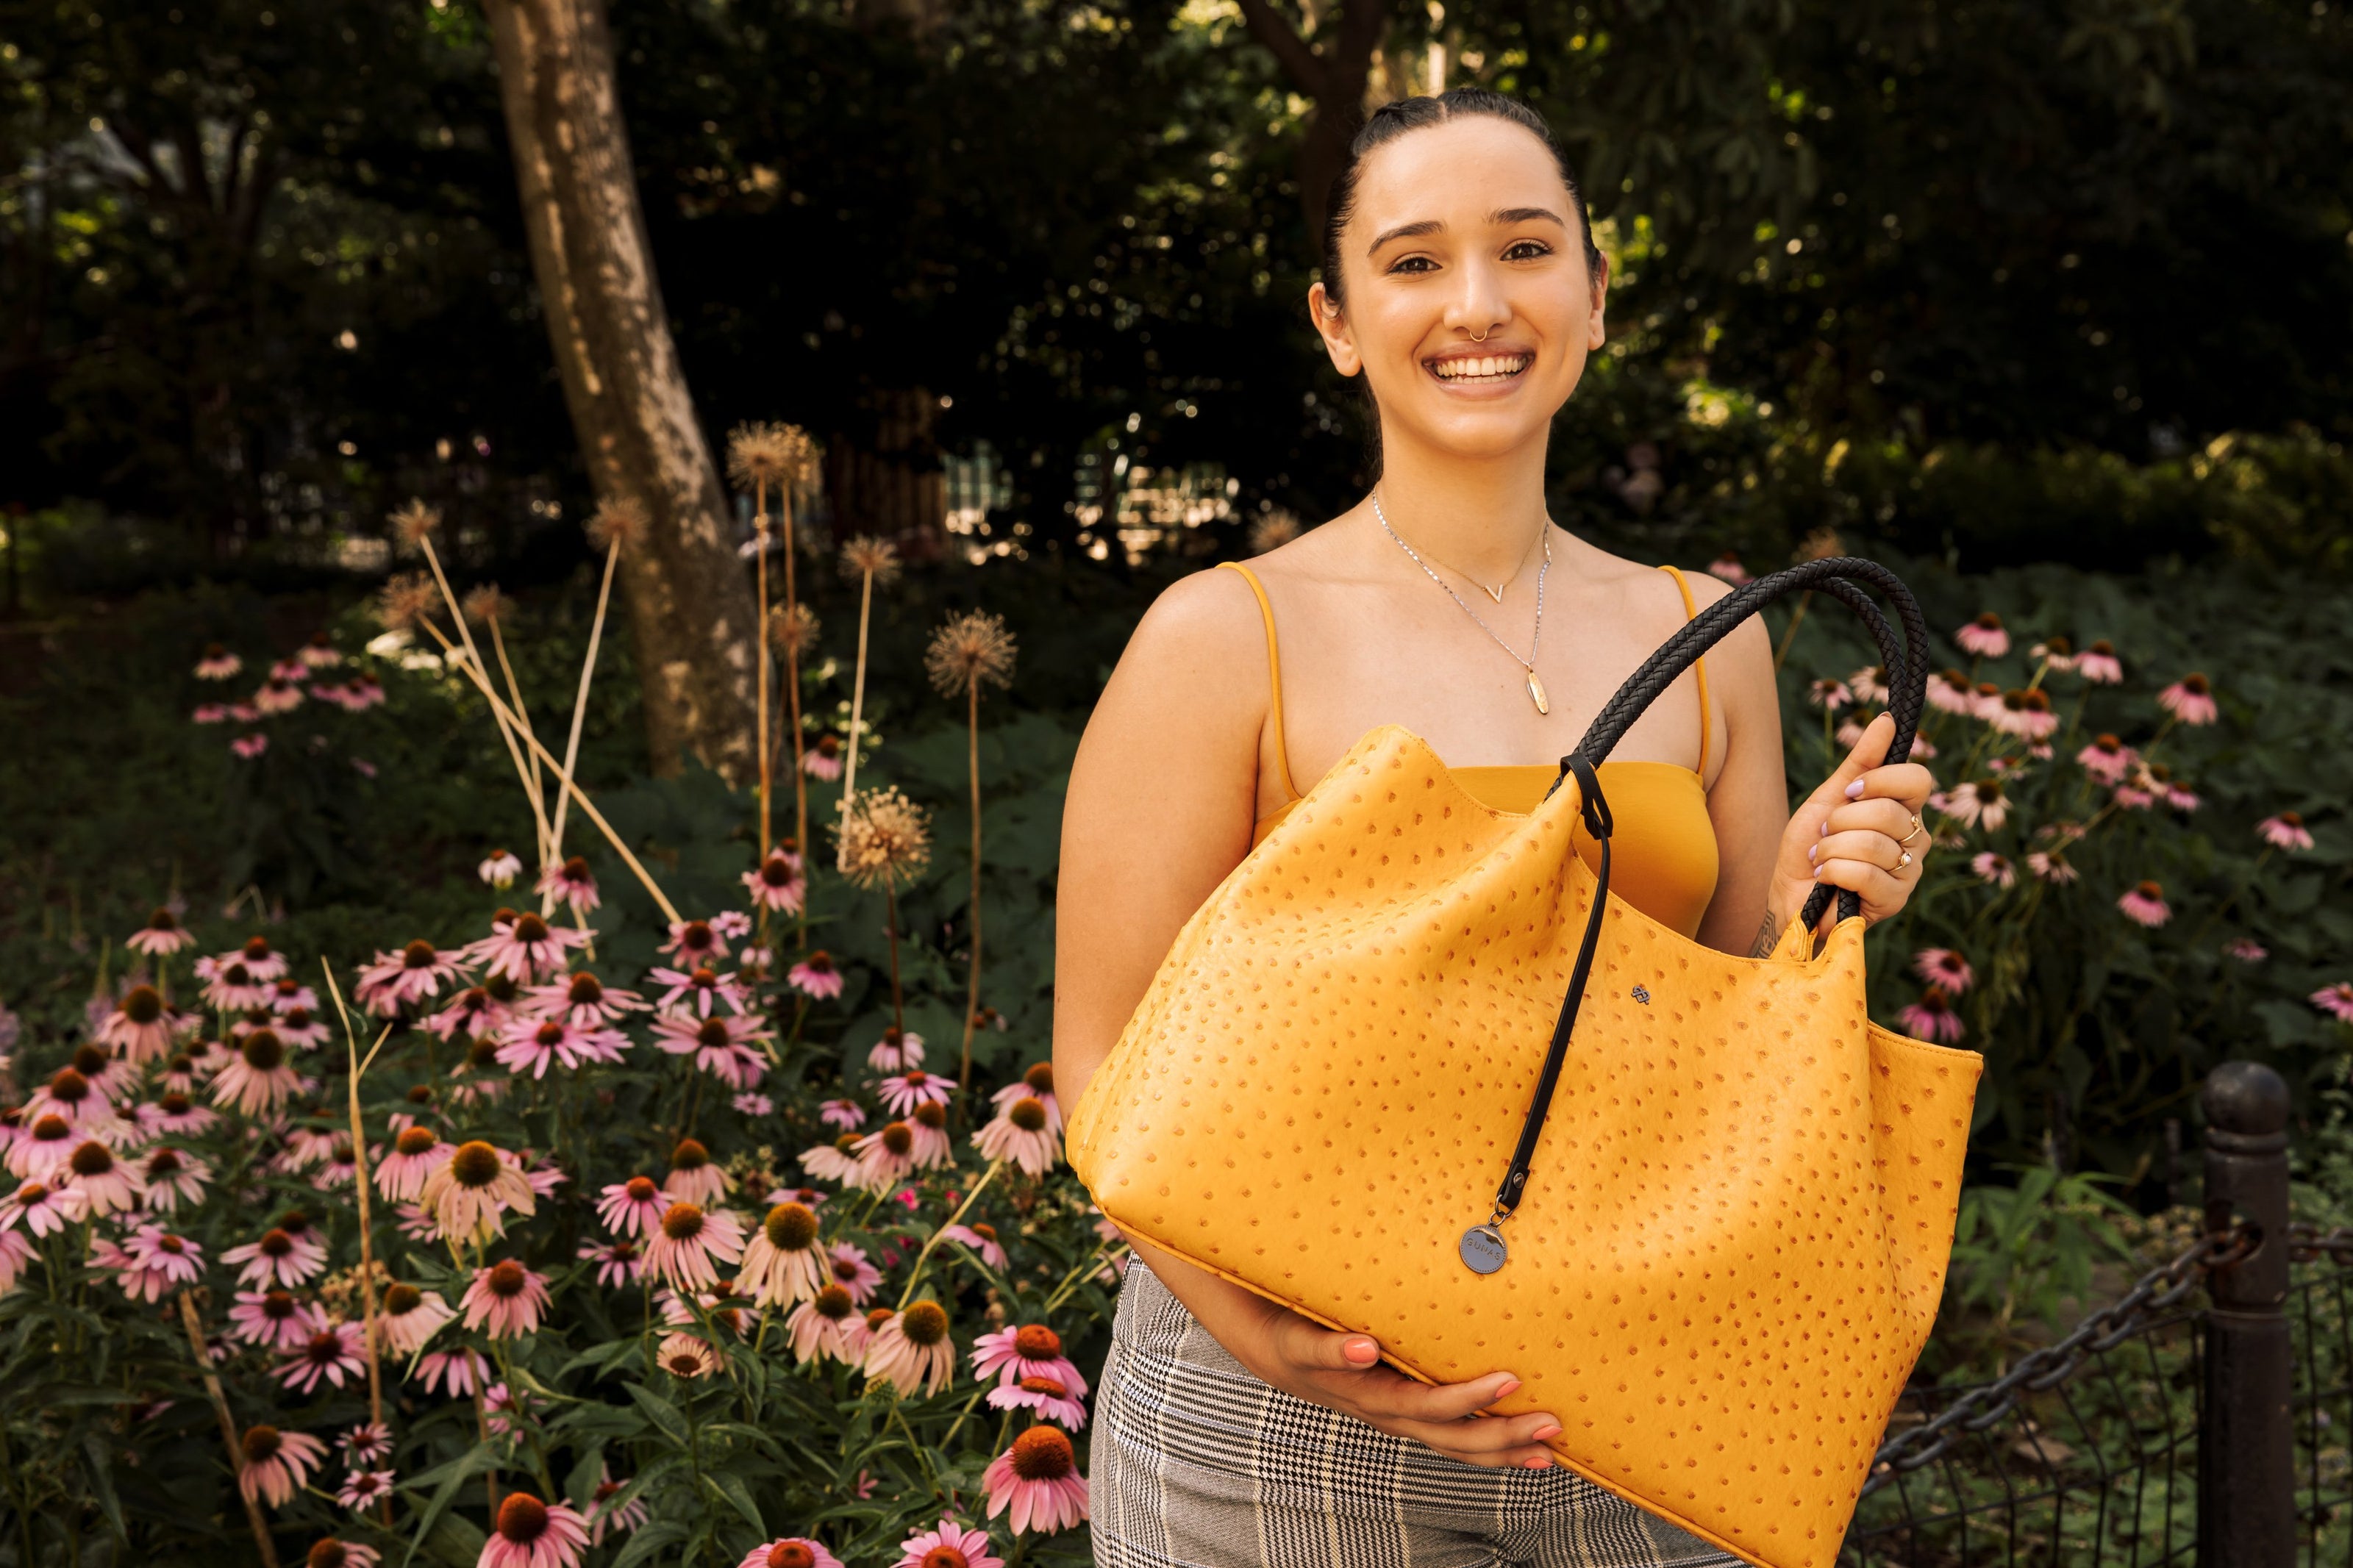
x=1841 y=577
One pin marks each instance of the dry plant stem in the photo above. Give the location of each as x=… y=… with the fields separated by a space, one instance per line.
x=972 y=984
x=891 y=909
x=858 y=694
x=482 y=1436
x=522 y=714
x=474 y=670
x=360 y=1175
x=915 y=1275
x=793 y=700
x=227 y=1424
x=760 y=535
x=1797 y=619
x=579 y=713
x=573 y=792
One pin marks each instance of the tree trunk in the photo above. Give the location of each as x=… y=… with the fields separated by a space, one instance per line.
x=690 y=612
x=1333 y=73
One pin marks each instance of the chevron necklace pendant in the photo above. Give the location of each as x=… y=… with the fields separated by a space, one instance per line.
x=1534 y=686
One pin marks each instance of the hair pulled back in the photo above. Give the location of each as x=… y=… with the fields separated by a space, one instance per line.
x=1403 y=115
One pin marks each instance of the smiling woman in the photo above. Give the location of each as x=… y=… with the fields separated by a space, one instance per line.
x=1460 y=281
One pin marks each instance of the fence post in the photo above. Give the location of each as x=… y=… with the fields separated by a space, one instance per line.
x=2246 y=1453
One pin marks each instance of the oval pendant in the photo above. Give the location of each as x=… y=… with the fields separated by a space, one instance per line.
x=1536 y=693
x=1483 y=1249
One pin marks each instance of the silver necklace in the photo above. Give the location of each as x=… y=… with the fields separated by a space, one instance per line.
x=1535 y=687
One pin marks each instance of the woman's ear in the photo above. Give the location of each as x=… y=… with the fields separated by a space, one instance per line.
x=1332 y=325
x=1597 y=330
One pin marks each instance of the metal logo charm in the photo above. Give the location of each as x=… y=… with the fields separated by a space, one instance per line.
x=1642 y=994
x=1483 y=1249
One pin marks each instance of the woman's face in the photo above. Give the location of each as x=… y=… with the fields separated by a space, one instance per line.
x=1463 y=231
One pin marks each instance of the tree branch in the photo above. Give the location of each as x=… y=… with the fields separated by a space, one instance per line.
x=1299 y=60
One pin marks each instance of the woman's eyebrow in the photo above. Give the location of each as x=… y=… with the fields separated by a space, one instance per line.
x=1405 y=231
x=1502 y=215
x=1527 y=214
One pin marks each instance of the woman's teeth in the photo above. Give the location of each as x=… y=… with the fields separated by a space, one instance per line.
x=1494 y=367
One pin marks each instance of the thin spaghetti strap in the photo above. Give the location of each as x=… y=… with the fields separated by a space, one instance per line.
x=1699 y=666
x=1273 y=677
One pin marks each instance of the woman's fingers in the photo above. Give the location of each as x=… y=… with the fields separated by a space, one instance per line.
x=1873 y=848
x=1312 y=1347
x=1893 y=817
x=1882 y=893
x=1907 y=781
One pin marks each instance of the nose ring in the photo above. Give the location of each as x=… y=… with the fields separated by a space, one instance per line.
x=1482 y=337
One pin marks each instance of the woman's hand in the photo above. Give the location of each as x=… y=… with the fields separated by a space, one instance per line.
x=1860 y=831
x=1344 y=1373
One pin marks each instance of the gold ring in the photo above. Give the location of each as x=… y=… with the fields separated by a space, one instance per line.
x=1903 y=860
x=1915 y=829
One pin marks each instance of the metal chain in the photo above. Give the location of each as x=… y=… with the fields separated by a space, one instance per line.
x=1529 y=663
x=2307 y=1243
x=2043 y=1369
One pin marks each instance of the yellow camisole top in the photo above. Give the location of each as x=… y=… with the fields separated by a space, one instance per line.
x=1663 y=855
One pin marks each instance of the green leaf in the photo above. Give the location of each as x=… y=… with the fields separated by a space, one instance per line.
x=663 y=1413
x=453 y=1475
x=731 y=1487
x=649 y=1539
x=101 y=1466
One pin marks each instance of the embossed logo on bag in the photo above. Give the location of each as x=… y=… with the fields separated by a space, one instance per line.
x=1642 y=994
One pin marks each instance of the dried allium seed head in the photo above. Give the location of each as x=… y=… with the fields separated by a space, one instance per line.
x=618 y=523
x=406 y=598
x=485 y=604
x=411 y=522
x=886 y=837
x=1821 y=544
x=867 y=556
x=792 y=629
x=971 y=650
x=771 y=454
x=1272 y=529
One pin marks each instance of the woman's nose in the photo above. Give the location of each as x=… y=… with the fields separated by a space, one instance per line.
x=1479 y=306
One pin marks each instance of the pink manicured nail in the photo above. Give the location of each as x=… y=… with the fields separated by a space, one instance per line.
x=1812 y=851
x=1540 y=1463
x=1546 y=1432
x=1508 y=1387
x=1854 y=789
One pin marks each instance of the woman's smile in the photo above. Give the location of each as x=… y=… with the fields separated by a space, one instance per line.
x=1482 y=372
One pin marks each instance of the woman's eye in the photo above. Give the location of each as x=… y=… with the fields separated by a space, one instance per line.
x=1527 y=250
x=1413 y=264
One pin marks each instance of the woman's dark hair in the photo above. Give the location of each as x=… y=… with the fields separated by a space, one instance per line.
x=1394 y=120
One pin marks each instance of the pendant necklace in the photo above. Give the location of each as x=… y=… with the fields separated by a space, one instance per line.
x=1535 y=687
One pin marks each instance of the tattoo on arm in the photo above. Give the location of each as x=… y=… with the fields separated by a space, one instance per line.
x=1768 y=935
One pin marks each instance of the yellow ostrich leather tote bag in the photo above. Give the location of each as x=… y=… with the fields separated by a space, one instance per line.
x=1413 y=1072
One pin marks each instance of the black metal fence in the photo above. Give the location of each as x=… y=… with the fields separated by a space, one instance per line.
x=2203 y=1418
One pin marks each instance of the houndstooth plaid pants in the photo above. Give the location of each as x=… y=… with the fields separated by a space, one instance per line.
x=1197 y=1464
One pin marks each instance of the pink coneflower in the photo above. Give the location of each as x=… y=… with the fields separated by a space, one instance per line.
x=2246 y=950
x=474 y=1012
x=531 y=1044
x=1037 y=1083
x=777 y=885
x=276 y=1465
x=950 y=1546
x=792 y=1552
x=835 y=1161
x=757 y=1106
x=159 y=1263
x=2054 y=653
x=272 y=1319
x=334 y=1354
x=827 y=1324
x=814 y=977
x=318 y=653
x=581 y=1000
x=685 y=1357
x=458 y=1372
x=37 y=1151
x=822 y=760
x=305 y=1147
x=1980 y=803
x=1931 y=1017
x=912 y=1350
x=1949 y=691
x=105 y=1183
x=2285 y=831
x=169 y=1177
x=904 y=1091
x=687 y=1247
x=369 y=1443
x=256 y=1080
x=2145 y=904
x=896 y=1051
x=1045 y=1395
x=1019 y=1132
x=618 y=1263
x=296 y=1027
x=607 y=1513
x=72 y=1095
x=2026 y=714
x=2108 y=759
x=501 y=1405
x=571 y=883
x=1832 y=695
x=470 y=1194
x=1038 y=1478
x=260 y=960
x=2099 y=665
x=847 y=1114
x=1728 y=568
x=209 y=713
x=41 y=1208
x=1026 y=1350
x=231 y=986
x=176 y=1114
x=1944 y=968
x=2190 y=699
x=2181 y=798
x=15 y=1251
x=523 y=947
x=782 y=1262
x=162 y=936
x=1994 y=870
x=400 y=1175
x=410 y=1316
x=362 y=1490
x=720 y=1046
x=505 y=1300
x=982 y=1238
x=693 y=1177
x=632 y=1208
x=217 y=663
x=1984 y=637
x=416 y=974
x=853 y=1273
x=531 y=1534
x=2337 y=1001
x=284 y=1257
x=362 y=692
x=2133 y=795
x=292 y=671
x=1985 y=700
x=327 y=1551
x=694 y=991
x=500 y=867
x=929 y=1123
x=883 y=1156
x=695 y=944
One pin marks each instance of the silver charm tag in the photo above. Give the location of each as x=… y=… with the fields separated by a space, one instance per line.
x=1483 y=1249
